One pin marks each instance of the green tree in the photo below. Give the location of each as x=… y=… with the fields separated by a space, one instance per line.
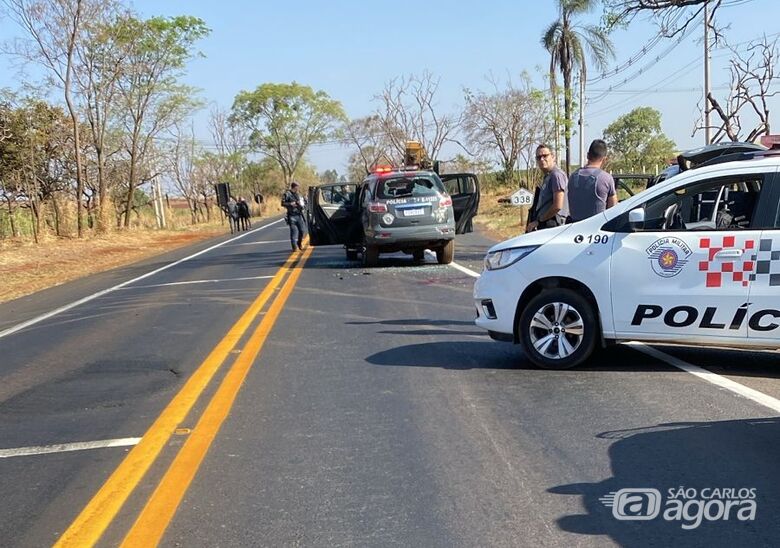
x=635 y=141
x=284 y=120
x=155 y=52
x=329 y=177
x=567 y=40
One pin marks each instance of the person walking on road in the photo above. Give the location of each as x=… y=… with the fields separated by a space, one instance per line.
x=552 y=208
x=591 y=189
x=294 y=203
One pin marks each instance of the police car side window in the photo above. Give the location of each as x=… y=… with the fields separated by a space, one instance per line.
x=452 y=186
x=726 y=203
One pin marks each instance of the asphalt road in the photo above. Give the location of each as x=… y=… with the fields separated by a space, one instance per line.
x=352 y=407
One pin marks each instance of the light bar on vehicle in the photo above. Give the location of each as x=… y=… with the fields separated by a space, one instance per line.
x=382 y=169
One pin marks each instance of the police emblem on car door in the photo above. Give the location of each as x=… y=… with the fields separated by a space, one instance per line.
x=686 y=270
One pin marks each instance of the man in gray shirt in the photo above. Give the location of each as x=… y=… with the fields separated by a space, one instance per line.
x=552 y=209
x=591 y=190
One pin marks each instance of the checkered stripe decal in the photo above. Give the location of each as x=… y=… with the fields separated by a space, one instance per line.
x=767 y=262
x=739 y=271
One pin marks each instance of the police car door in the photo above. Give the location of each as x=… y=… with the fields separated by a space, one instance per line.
x=463 y=188
x=683 y=274
x=764 y=311
x=331 y=214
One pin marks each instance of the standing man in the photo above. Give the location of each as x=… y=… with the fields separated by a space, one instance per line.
x=293 y=202
x=552 y=208
x=591 y=189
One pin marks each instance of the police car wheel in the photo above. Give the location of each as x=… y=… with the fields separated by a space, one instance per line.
x=446 y=253
x=558 y=329
x=370 y=255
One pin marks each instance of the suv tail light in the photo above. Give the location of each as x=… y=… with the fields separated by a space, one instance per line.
x=377 y=207
x=445 y=202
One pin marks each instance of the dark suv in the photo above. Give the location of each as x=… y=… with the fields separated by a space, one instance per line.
x=394 y=210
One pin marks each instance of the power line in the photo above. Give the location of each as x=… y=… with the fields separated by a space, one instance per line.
x=633 y=58
x=648 y=66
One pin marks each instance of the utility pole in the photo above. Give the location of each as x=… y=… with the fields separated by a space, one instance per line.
x=707 y=131
x=162 y=204
x=582 y=120
x=155 y=204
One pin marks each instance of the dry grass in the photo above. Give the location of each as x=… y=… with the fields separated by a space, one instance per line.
x=26 y=267
x=500 y=221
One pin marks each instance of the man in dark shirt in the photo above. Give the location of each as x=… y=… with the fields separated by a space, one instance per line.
x=294 y=203
x=591 y=189
x=552 y=208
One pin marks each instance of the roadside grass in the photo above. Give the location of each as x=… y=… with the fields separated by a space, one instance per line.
x=26 y=267
x=500 y=221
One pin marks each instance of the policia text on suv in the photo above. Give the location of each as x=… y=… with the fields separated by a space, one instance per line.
x=392 y=210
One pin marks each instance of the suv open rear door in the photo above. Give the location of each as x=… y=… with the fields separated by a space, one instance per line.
x=463 y=188
x=331 y=215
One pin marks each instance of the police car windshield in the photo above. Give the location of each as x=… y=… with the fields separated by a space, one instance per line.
x=397 y=187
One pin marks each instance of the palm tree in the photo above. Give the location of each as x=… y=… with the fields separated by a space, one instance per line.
x=566 y=41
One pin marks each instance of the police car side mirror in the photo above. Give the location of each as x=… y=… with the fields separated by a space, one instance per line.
x=636 y=218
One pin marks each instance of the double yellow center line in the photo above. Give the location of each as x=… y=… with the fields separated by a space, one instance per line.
x=148 y=529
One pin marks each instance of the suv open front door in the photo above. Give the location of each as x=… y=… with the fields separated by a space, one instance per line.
x=332 y=214
x=463 y=188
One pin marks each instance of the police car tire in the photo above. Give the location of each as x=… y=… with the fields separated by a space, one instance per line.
x=370 y=255
x=446 y=253
x=590 y=328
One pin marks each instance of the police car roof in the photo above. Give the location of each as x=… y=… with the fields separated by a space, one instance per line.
x=769 y=158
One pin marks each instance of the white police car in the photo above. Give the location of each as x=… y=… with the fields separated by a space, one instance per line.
x=694 y=259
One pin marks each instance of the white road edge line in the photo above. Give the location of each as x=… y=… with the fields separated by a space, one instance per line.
x=64 y=447
x=709 y=376
x=704 y=374
x=262 y=242
x=456 y=265
x=200 y=282
x=47 y=315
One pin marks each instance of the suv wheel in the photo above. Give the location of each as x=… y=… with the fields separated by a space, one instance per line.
x=370 y=255
x=446 y=253
x=558 y=329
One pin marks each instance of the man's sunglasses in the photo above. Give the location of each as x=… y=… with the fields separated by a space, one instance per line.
x=541 y=156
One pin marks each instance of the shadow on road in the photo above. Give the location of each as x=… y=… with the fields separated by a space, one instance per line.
x=498 y=355
x=735 y=454
x=417 y=321
x=740 y=363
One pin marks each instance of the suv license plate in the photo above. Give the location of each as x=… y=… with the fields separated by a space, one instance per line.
x=413 y=212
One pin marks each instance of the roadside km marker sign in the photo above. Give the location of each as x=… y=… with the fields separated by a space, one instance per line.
x=522 y=198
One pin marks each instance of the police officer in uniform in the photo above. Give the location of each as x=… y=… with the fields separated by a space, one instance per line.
x=293 y=202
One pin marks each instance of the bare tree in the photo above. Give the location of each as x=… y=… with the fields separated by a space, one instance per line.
x=752 y=78
x=673 y=16
x=183 y=166
x=231 y=143
x=507 y=124
x=408 y=110
x=374 y=144
x=54 y=28
x=99 y=65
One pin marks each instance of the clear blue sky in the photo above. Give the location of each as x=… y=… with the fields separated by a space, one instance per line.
x=351 y=48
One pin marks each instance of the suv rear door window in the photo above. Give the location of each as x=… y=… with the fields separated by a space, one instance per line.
x=399 y=187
